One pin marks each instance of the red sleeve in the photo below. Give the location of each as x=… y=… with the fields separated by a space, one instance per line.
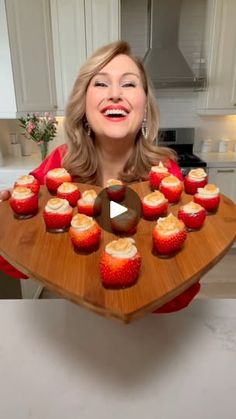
x=174 y=169
x=53 y=161
x=10 y=270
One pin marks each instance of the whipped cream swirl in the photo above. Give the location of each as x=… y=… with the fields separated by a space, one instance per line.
x=155 y=198
x=21 y=192
x=170 y=181
x=122 y=248
x=88 y=197
x=159 y=169
x=197 y=174
x=57 y=173
x=25 y=180
x=209 y=191
x=82 y=222
x=169 y=225
x=58 y=205
x=192 y=208
x=67 y=187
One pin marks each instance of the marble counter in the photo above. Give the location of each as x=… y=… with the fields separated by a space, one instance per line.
x=215 y=159
x=58 y=360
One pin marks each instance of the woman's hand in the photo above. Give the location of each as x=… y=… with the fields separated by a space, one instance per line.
x=5 y=195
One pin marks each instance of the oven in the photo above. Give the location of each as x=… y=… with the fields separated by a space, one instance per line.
x=181 y=140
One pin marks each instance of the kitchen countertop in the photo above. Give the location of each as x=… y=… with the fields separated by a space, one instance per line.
x=215 y=159
x=26 y=163
x=59 y=360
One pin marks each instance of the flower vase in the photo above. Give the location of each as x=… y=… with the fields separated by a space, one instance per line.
x=43 y=145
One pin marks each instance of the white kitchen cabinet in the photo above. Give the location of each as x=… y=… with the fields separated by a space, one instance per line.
x=225 y=179
x=79 y=27
x=220 y=96
x=29 y=29
x=7 y=95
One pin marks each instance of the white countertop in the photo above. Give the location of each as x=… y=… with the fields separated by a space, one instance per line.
x=215 y=159
x=26 y=163
x=58 y=360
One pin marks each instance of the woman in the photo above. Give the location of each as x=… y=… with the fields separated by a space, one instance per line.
x=111 y=123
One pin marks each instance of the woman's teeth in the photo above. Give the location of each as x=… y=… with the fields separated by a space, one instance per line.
x=115 y=112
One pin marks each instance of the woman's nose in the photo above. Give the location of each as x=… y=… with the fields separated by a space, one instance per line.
x=115 y=92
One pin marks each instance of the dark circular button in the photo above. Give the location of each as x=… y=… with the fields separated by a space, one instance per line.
x=119 y=217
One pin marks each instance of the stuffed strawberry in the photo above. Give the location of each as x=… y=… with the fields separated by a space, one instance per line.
x=154 y=205
x=115 y=190
x=120 y=264
x=196 y=178
x=156 y=174
x=208 y=197
x=172 y=188
x=23 y=202
x=193 y=215
x=85 y=233
x=169 y=235
x=57 y=215
x=89 y=204
x=69 y=191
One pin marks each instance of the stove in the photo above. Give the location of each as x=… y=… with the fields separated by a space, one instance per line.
x=181 y=140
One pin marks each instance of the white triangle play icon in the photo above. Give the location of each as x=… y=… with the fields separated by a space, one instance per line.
x=116 y=209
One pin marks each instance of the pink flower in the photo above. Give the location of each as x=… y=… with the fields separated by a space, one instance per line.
x=30 y=127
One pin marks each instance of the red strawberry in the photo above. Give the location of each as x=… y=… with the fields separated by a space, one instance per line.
x=86 y=241
x=172 y=193
x=56 y=221
x=191 y=185
x=54 y=183
x=155 y=179
x=210 y=204
x=192 y=220
x=116 y=192
x=72 y=197
x=89 y=209
x=166 y=245
x=119 y=273
x=152 y=213
x=27 y=206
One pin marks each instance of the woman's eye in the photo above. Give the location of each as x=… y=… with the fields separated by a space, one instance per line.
x=129 y=84
x=100 y=83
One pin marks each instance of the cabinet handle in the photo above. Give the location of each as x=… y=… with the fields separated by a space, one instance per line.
x=225 y=170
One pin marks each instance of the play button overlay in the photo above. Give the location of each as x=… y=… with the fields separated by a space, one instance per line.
x=116 y=209
x=120 y=218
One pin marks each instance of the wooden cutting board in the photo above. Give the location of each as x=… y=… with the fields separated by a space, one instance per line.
x=51 y=259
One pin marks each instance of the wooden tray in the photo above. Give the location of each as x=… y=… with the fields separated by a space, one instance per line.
x=51 y=259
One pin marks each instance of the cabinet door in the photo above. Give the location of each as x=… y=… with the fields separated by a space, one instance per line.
x=102 y=23
x=225 y=179
x=31 y=52
x=7 y=95
x=220 y=97
x=69 y=44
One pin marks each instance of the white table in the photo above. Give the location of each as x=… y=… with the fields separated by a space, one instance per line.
x=59 y=361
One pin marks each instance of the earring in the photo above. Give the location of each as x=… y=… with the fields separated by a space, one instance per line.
x=144 y=126
x=87 y=128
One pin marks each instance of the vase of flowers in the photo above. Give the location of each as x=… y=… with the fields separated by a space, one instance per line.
x=40 y=129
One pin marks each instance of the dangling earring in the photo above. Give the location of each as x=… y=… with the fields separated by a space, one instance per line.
x=144 y=126
x=87 y=127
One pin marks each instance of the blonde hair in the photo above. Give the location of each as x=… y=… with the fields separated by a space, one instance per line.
x=81 y=158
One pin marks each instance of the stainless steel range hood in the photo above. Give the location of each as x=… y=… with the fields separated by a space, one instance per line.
x=164 y=61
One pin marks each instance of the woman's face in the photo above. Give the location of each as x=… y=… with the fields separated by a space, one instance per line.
x=116 y=100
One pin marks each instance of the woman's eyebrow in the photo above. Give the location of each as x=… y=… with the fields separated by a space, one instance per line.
x=102 y=73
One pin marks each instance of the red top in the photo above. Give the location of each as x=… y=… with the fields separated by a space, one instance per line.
x=53 y=161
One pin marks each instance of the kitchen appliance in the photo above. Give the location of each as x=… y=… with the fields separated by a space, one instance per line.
x=164 y=61
x=181 y=140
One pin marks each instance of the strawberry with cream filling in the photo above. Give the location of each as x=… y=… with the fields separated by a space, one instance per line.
x=172 y=188
x=169 y=235
x=196 y=178
x=208 y=197
x=23 y=202
x=69 y=191
x=156 y=174
x=154 y=205
x=85 y=233
x=55 y=178
x=57 y=215
x=28 y=181
x=193 y=215
x=120 y=264
x=115 y=190
x=89 y=204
